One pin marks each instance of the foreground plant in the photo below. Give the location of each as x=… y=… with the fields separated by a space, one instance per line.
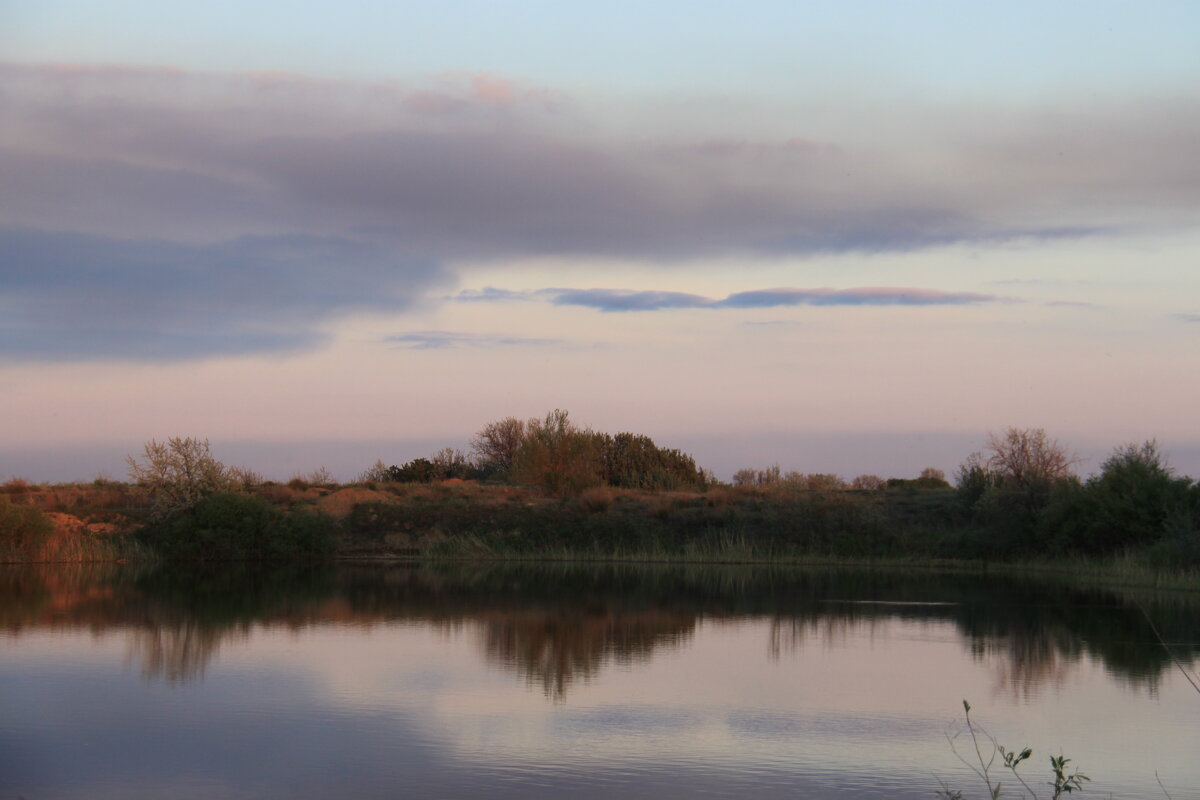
x=983 y=764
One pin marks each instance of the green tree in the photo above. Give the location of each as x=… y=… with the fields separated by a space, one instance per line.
x=634 y=461
x=1130 y=503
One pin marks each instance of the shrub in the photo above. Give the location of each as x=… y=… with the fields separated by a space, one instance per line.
x=558 y=456
x=23 y=529
x=634 y=461
x=246 y=478
x=922 y=483
x=178 y=474
x=237 y=527
x=1131 y=502
x=814 y=482
x=419 y=470
x=318 y=477
x=377 y=472
x=451 y=463
x=770 y=476
x=870 y=483
x=975 y=479
x=596 y=499
x=15 y=486
x=934 y=474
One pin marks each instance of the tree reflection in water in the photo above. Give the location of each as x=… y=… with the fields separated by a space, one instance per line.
x=558 y=649
x=179 y=652
x=556 y=625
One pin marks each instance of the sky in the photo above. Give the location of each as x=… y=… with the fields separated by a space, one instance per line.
x=846 y=237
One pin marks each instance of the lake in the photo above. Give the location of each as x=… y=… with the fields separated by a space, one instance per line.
x=550 y=681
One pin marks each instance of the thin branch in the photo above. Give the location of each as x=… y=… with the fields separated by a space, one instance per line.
x=1166 y=647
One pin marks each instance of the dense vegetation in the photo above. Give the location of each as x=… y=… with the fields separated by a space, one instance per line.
x=547 y=487
x=23 y=529
x=238 y=527
x=558 y=456
x=1025 y=499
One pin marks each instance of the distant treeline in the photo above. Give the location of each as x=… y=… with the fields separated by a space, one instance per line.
x=1018 y=497
x=603 y=495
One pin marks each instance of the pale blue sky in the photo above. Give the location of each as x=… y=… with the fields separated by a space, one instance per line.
x=1025 y=48
x=846 y=236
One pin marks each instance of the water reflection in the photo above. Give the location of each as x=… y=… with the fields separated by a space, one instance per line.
x=555 y=626
x=558 y=649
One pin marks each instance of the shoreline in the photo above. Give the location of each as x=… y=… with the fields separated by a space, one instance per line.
x=1110 y=574
x=467 y=521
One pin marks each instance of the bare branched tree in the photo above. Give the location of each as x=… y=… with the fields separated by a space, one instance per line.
x=450 y=462
x=496 y=444
x=1025 y=457
x=179 y=473
x=871 y=483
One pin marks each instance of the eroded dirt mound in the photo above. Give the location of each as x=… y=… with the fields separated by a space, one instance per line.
x=70 y=525
x=340 y=503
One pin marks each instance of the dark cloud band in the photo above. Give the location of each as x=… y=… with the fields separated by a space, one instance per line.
x=614 y=300
x=69 y=296
x=441 y=340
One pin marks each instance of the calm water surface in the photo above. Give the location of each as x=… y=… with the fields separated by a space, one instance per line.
x=540 y=682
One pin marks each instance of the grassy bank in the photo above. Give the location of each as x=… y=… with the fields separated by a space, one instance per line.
x=454 y=520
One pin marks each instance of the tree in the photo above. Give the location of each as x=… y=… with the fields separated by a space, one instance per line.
x=450 y=462
x=974 y=480
x=178 y=474
x=870 y=483
x=496 y=444
x=771 y=476
x=634 y=461
x=1130 y=502
x=1026 y=458
x=1014 y=482
x=558 y=456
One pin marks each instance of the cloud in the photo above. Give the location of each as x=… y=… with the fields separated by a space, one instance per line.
x=476 y=165
x=611 y=300
x=70 y=296
x=1042 y=282
x=623 y=300
x=438 y=340
x=490 y=294
x=1186 y=317
x=869 y=296
x=1069 y=304
x=203 y=213
x=772 y=323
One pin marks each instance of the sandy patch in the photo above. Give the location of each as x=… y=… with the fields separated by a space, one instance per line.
x=66 y=524
x=341 y=502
